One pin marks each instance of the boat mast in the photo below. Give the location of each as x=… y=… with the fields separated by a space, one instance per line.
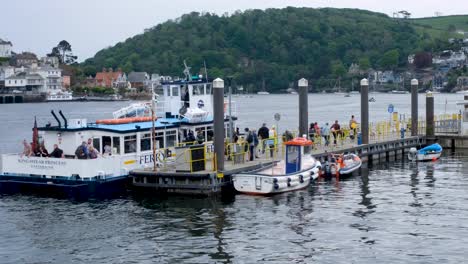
x=153 y=132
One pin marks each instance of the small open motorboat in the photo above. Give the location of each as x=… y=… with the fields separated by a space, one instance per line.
x=295 y=172
x=431 y=152
x=342 y=165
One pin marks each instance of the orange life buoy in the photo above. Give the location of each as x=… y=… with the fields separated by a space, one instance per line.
x=124 y=120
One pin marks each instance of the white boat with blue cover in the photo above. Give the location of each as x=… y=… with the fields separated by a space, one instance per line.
x=294 y=173
x=429 y=153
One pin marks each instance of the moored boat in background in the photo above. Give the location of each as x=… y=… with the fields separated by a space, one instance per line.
x=429 y=153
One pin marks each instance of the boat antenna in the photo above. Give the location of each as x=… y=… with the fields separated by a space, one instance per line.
x=206 y=72
x=188 y=76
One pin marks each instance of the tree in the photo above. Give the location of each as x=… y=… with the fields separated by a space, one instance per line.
x=338 y=69
x=364 y=63
x=390 y=59
x=63 y=52
x=422 y=60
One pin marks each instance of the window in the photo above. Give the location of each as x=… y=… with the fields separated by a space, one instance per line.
x=175 y=91
x=159 y=137
x=130 y=144
x=171 y=137
x=197 y=89
x=97 y=144
x=145 y=142
x=209 y=133
x=116 y=145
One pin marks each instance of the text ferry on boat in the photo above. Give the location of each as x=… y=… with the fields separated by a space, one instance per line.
x=183 y=110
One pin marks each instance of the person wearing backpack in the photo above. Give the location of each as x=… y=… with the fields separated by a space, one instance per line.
x=250 y=142
x=82 y=151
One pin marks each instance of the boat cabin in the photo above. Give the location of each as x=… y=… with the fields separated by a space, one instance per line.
x=294 y=154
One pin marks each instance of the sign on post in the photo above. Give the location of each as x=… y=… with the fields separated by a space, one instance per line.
x=277 y=117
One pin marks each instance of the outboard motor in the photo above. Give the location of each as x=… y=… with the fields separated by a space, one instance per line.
x=413 y=153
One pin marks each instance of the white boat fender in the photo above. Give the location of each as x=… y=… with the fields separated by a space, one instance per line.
x=301 y=178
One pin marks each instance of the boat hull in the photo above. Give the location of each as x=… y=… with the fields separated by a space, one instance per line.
x=257 y=184
x=64 y=188
x=426 y=157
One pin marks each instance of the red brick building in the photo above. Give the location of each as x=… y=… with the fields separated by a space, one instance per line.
x=107 y=77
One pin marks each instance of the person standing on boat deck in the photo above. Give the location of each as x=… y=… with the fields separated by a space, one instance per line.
x=107 y=150
x=42 y=151
x=81 y=151
x=200 y=137
x=27 y=150
x=56 y=153
x=250 y=142
x=263 y=134
x=336 y=130
x=92 y=153
x=190 y=138
x=326 y=134
x=353 y=127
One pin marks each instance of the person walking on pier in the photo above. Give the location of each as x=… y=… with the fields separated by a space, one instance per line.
x=353 y=127
x=250 y=141
x=336 y=130
x=263 y=134
x=326 y=134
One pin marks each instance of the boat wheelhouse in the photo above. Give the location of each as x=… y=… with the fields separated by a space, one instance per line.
x=183 y=110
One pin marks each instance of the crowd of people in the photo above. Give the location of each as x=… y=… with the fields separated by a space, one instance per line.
x=335 y=130
x=39 y=150
x=84 y=151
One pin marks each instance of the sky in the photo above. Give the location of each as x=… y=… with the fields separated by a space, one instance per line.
x=91 y=25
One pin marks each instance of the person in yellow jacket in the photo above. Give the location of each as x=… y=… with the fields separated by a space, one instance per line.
x=353 y=127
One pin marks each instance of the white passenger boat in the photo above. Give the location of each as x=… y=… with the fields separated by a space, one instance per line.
x=59 y=97
x=429 y=153
x=294 y=173
x=125 y=143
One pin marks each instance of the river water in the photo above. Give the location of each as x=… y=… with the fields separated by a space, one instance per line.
x=390 y=213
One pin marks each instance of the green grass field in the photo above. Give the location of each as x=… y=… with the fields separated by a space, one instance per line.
x=436 y=25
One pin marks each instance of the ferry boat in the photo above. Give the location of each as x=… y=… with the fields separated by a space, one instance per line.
x=182 y=108
x=295 y=172
x=59 y=97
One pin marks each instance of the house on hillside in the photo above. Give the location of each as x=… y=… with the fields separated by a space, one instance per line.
x=5 y=48
x=139 y=80
x=106 y=78
x=52 y=61
x=25 y=82
x=24 y=59
x=121 y=82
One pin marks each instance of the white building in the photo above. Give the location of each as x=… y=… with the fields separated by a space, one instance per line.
x=25 y=82
x=52 y=77
x=6 y=71
x=5 y=48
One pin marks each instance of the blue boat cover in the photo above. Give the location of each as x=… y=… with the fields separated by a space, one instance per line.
x=434 y=148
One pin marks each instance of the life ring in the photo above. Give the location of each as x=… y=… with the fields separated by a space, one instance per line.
x=126 y=120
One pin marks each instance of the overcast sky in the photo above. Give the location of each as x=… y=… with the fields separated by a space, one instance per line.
x=90 y=25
